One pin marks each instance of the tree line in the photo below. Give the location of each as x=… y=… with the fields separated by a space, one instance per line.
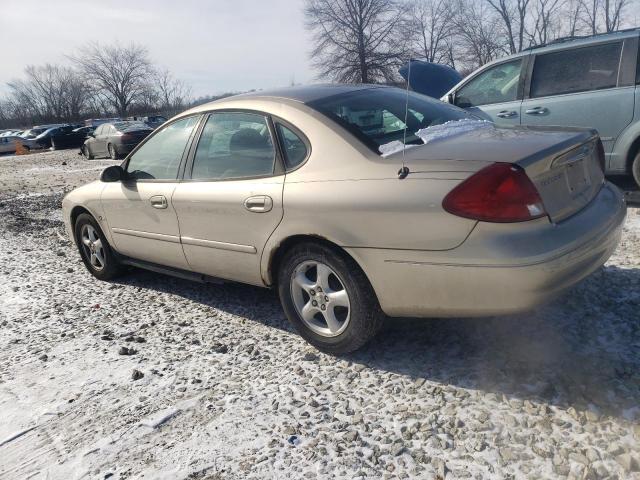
x=368 y=40
x=99 y=80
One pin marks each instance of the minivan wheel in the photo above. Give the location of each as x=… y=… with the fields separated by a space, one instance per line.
x=328 y=298
x=635 y=168
x=95 y=250
x=112 y=152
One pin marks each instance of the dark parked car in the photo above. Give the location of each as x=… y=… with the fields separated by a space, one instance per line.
x=86 y=131
x=57 y=138
x=115 y=139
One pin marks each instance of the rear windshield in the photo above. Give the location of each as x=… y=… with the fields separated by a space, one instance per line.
x=130 y=126
x=377 y=115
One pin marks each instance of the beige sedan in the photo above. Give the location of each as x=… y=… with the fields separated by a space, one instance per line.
x=353 y=208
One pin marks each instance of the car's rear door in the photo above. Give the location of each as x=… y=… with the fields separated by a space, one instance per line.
x=139 y=211
x=590 y=86
x=495 y=93
x=230 y=201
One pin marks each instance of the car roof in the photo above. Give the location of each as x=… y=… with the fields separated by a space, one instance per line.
x=299 y=93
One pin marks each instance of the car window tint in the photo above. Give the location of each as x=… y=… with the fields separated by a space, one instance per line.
x=495 y=85
x=159 y=158
x=576 y=70
x=234 y=145
x=295 y=150
x=376 y=116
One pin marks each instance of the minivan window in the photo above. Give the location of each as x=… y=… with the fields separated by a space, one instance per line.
x=497 y=84
x=234 y=145
x=376 y=115
x=576 y=70
x=159 y=157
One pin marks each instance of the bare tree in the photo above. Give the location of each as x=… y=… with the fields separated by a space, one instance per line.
x=429 y=26
x=513 y=14
x=545 y=22
x=173 y=94
x=120 y=74
x=478 y=34
x=49 y=92
x=355 y=41
x=613 y=14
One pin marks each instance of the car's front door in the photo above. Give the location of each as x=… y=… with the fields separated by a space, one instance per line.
x=139 y=210
x=582 y=87
x=97 y=144
x=230 y=201
x=495 y=93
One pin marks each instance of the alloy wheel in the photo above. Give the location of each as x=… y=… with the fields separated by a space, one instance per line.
x=93 y=248
x=320 y=298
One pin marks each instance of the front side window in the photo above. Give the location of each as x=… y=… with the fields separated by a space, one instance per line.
x=295 y=150
x=234 y=145
x=497 y=84
x=576 y=70
x=376 y=116
x=159 y=158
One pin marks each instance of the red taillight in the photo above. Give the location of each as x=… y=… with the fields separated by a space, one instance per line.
x=501 y=192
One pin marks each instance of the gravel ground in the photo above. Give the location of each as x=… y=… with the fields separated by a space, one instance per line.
x=156 y=377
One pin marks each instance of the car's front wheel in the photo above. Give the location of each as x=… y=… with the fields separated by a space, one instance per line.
x=328 y=298
x=86 y=151
x=112 y=152
x=95 y=250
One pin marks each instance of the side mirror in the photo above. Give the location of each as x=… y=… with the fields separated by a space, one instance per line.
x=115 y=173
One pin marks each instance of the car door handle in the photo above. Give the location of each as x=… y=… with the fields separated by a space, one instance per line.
x=537 y=111
x=507 y=114
x=259 y=203
x=159 y=201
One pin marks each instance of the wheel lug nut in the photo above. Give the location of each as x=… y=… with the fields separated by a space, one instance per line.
x=323 y=307
x=326 y=299
x=319 y=289
x=314 y=303
x=312 y=292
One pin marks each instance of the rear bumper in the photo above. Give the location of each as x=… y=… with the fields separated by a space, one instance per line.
x=500 y=268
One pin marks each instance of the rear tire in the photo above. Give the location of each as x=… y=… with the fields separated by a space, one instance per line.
x=328 y=298
x=95 y=251
x=635 y=169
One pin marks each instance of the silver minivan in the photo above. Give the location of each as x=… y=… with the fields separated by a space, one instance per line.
x=589 y=82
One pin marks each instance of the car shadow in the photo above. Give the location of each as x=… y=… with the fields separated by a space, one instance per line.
x=582 y=350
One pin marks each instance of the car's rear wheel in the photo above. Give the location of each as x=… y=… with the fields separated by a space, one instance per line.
x=86 y=151
x=328 y=298
x=113 y=153
x=95 y=250
x=635 y=169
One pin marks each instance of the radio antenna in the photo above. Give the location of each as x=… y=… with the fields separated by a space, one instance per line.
x=404 y=171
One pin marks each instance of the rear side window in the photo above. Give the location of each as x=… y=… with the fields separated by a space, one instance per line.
x=576 y=70
x=294 y=148
x=234 y=145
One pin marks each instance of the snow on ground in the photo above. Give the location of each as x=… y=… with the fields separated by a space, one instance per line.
x=225 y=389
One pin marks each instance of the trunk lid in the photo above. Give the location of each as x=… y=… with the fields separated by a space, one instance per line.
x=563 y=163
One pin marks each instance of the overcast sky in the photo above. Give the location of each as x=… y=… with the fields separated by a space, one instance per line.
x=215 y=46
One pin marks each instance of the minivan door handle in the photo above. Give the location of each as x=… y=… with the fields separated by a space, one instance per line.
x=537 y=111
x=259 y=203
x=159 y=201
x=506 y=114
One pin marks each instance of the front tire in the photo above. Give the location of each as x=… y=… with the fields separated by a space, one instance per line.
x=86 y=151
x=328 y=298
x=95 y=250
x=635 y=169
x=113 y=154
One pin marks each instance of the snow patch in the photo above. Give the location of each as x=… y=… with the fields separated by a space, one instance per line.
x=451 y=129
x=393 y=147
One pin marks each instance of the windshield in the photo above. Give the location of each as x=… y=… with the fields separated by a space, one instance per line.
x=377 y=115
